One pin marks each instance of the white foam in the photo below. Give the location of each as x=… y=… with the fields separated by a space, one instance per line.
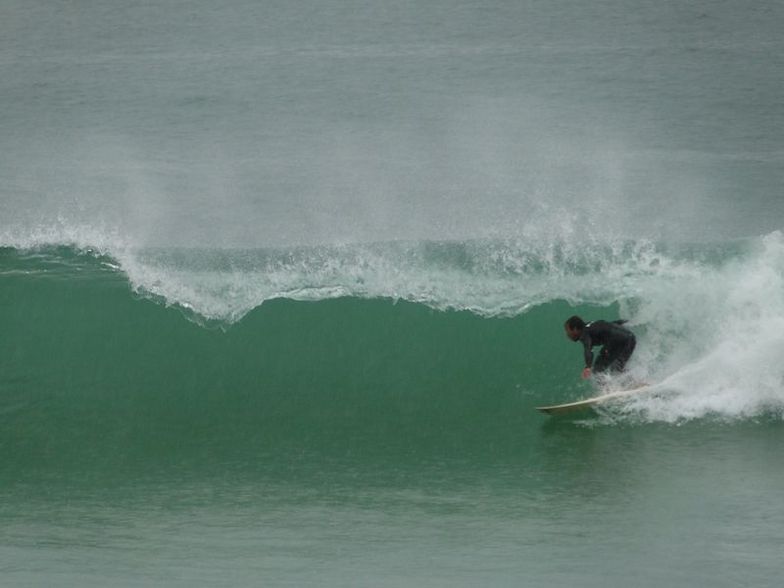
x=100 y=238
x=488 y=278
x=715 y=337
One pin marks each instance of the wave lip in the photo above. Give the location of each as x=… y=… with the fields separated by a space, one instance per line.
x=487 y=277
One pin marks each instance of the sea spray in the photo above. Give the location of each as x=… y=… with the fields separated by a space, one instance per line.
x=500 y=277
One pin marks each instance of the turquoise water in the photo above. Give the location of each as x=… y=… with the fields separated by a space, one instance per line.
x=281 y=285
x=367 y=441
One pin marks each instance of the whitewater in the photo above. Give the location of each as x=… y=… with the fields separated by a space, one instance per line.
x=281 y=285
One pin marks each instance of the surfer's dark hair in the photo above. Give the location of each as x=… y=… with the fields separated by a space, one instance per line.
x=575 y=323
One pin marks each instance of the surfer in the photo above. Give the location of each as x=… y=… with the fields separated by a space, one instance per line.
x=616 y=341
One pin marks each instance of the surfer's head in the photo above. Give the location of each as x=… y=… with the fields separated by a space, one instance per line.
x=574 y=327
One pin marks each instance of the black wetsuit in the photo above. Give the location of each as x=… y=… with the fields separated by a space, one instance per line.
x=616 y=341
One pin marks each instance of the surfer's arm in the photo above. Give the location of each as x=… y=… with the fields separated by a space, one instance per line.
x=587 y=350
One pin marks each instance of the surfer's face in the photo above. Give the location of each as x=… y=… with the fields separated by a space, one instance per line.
x=573 y=334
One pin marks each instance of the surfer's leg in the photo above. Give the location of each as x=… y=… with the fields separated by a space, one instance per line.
x=603 y=361
x=619 y=356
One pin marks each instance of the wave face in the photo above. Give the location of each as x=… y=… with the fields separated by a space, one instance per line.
x=153 y=354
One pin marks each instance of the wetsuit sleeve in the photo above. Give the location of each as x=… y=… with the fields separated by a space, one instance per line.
x=587 y=349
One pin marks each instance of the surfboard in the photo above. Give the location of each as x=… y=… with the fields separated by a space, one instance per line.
x=590 y=403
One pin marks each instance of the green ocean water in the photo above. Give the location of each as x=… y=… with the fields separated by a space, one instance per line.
x=358 y=441
x=103 y=376
x=282 y=283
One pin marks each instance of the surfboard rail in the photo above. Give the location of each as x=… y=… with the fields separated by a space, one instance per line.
x=589 y=403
